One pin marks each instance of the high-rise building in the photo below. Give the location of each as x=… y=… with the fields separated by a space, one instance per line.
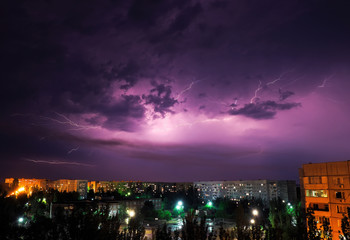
x=68 y=185
x=266 y=190
x=325 y=188
x=29 y=184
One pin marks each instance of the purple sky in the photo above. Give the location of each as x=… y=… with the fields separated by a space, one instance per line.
x=177 y=90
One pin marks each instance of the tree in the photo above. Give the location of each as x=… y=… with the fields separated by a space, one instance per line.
x=163 y=233
x=164 y=214
x=241 y=224
x=326 y=230
x=300 y=218
x=313 y=232
x=148 y=211
x=283 y=221
x=192 y=230
x=345 y=226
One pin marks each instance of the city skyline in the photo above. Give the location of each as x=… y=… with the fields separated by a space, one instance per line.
x=170 y=91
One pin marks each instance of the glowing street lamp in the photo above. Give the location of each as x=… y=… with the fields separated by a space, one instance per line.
x=255 y=212
x=131 y=213
x=179 y=206
x=20 y=220
x=210 y=204
x=252 y=221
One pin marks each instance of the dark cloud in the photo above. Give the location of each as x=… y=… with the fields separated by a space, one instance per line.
x=201 y=107
x=263 y=110
x=124 y=115
x=147 y=13
x=128 y=74
x=93 y=63
x=160 y=98
x=285 y=94
x=185 y=18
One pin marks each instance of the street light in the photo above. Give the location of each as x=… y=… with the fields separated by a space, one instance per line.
x=209 y=204
x=20 y=220
x=252 y=221
x=180 y=205
x=255 y=212
x=131 y=213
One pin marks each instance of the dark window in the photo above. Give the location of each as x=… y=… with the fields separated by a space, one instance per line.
x=339 y=194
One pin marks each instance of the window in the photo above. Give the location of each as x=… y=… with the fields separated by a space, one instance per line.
x=315 y=180
x=339 y=195
x=341 y=209
x=338 y=180
x=319 y=207
x=316 y=193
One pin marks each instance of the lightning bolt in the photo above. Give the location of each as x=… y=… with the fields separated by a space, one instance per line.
x=233 y=105
x=187 y=89
x=261 y=86
x=256 y=92
x=53 y=162
x=73 y=150
x=66 y=121
x=325 y=80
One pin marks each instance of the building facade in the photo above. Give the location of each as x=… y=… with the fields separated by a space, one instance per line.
x=62 y=185
x=266 y=190
x=325 y=188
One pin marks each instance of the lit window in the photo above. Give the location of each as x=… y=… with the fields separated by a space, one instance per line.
x=316 y=193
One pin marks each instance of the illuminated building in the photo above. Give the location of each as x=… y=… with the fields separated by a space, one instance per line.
x=266 y=190
x=29 y=184
x=209 y=190
x=67 y=185
x=92 y=185
x=325 y=188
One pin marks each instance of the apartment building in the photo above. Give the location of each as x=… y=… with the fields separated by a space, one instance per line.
x=325 y=188
x=266 y=190
x=209 y=190
x=29 y=184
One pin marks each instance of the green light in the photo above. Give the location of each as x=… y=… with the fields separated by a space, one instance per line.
x=179 y=206
x=209 y=204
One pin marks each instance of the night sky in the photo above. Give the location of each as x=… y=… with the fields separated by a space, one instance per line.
x=177 y=90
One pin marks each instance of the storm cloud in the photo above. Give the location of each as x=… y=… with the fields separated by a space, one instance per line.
x=139 y=74
x=263 y=110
